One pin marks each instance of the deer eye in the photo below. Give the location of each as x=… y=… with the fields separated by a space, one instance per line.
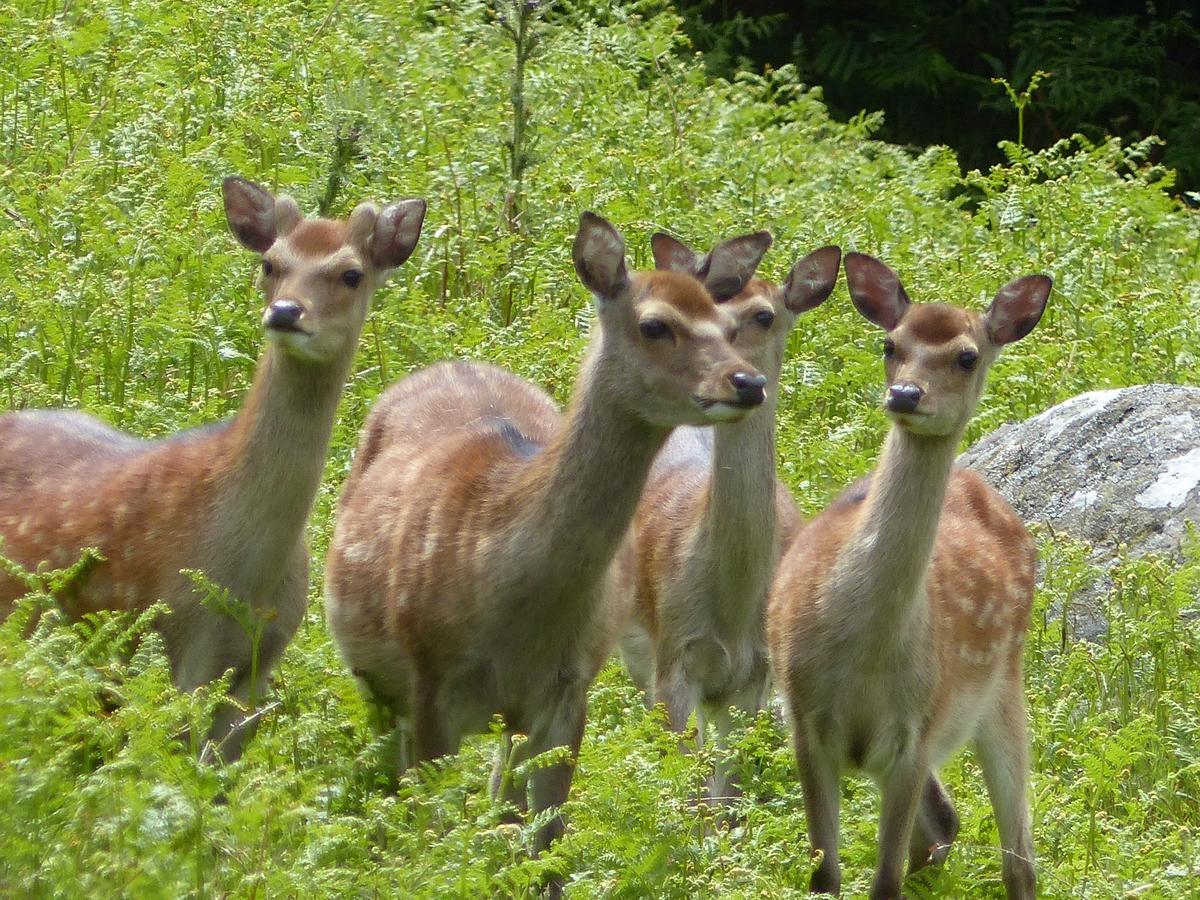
x=267 y=268
x=967 y=359
x=351 y=277
x=889 y=348
x=765 y=318
x=654 y=329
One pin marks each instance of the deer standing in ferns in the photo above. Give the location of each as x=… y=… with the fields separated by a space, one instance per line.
x=714 y=519
x=472 y=567
x=230 y=500
x=897 y=620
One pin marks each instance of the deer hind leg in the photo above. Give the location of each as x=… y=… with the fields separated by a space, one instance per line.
x=672 y=690
x=935 y=829
x=1002 y=746
x=749 y=699
x=637 y=653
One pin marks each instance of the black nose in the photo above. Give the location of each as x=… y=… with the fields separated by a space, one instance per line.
x=903 y=398
x=749 y=388
x=283 y=315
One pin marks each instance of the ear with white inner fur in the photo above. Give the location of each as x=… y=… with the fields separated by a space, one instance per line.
x=250 y=211
x=599 y=255
x=812 y=279
x=1017 y=308
x=732 y=263
x=674 y=255
x=397 y=229
x=876 y=290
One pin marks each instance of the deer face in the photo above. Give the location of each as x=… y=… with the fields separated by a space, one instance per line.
x=318 y=275
x=935 y=360
x=666 y=348
x=764 y=313
x=936 y=356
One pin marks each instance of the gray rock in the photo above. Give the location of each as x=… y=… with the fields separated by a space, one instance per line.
x=1119 y=469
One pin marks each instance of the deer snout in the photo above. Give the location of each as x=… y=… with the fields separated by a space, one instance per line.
x=903 y=398
x=283 y=315
x=750 y=388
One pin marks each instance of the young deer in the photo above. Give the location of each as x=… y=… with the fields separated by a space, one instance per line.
x=471 y=571
x=714 y=519
x=230 y=500
x=898 y=617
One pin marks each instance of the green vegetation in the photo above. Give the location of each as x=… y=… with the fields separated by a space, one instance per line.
x=1122 y=67
x=121 y=292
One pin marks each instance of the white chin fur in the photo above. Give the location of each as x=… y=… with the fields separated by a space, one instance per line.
x=724 y=412
x=296 y=345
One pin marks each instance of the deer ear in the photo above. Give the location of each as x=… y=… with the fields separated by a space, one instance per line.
x=1017 y=308
x=250 y=211
x=732 y=263
x=396 y=231
x=599 y=255
x=812 y=279
x=876 y=290
x=674 y=255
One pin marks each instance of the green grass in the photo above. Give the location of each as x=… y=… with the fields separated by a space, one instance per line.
x=121 y=292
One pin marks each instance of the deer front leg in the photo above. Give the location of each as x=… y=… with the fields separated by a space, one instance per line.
x=561 y=726
x=819 y=776
x=901 y=789
x=1002 y=746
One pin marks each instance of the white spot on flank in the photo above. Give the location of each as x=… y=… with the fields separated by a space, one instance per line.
x=1179 y=477
x=357 y=552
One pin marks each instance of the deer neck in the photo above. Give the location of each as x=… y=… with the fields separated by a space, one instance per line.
x=737 y=538
x=579 y=495
x=275 y=452
x=888 y=557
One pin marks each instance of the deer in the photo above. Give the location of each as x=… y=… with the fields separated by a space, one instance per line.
x=480 y=552
x=898 y=616
x=229 y=500
x=713 y=522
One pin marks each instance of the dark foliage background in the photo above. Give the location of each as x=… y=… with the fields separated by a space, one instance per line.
x=1122 y=67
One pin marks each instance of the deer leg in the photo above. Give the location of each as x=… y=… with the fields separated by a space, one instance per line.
x=430 y=737
x=235 y=723
x=819 y=777
x=901 y=788
x=549 y=785
x=935 y=829
x=1002 y=747
x=637 y=652
x=723 y=785
x=673 y=691
x=506 y=785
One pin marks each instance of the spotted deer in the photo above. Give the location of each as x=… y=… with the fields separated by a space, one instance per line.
x=714 y=519
x=230 y=500
x=897 y=620
x=472 y=567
